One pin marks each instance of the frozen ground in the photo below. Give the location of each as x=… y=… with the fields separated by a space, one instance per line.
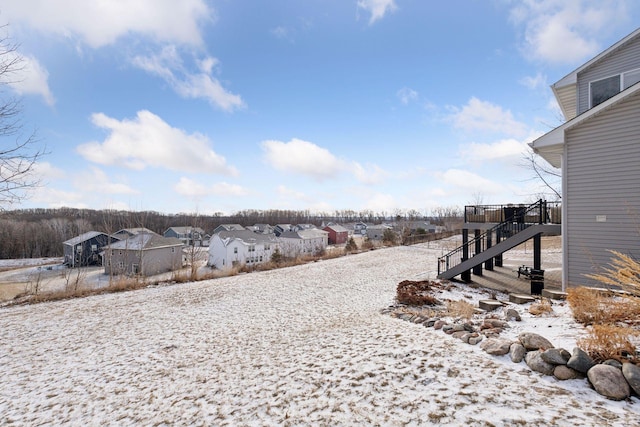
x=298 y=346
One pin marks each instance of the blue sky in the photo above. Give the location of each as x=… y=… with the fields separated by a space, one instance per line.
x=219 y=105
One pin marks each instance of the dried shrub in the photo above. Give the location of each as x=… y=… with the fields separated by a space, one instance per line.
x=543 y=306
x=460 y=308
x=416 y=292
x=595 y=306
x=623 y=272
x=607 y=341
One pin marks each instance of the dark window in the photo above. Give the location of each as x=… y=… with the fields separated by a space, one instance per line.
x=601 y=90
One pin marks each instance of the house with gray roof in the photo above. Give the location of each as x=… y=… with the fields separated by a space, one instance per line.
x=144 y=254
x=229 y=249
x=303 y=242
x=228 y=227
x=84 y=250
x=189 y=235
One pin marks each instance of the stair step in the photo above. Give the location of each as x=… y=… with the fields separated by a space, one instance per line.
x=521 y=298
x=552 y=294
x=489 y=304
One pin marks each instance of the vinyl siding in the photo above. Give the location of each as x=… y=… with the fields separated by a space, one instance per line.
x=603 y=173
x=624 y=59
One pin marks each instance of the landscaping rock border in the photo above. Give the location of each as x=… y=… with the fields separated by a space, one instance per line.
x=614 y=381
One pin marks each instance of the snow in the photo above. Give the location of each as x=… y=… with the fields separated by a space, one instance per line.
x=305 y=345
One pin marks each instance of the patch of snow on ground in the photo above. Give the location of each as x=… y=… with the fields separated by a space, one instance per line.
x=305 y=345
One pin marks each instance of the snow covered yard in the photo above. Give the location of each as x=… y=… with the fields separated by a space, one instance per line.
x=305 y=345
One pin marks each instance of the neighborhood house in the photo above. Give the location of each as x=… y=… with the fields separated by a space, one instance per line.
x=143 y=254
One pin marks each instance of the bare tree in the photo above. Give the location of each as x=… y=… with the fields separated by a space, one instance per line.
x=18 y=150
x=549 y=176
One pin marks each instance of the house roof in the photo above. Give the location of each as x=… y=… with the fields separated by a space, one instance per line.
x=565 y=89
x=146 y=241
x=246 y=237
x=185 y=229
x=337 y=228
x=134 y=231
x=82 y=238
x=551 y=145
x=313 y=233
x=230 y=227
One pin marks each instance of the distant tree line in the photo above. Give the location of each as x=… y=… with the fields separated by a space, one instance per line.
x=35 y=233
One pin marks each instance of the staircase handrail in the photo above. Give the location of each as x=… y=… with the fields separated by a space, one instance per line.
x=540 y=205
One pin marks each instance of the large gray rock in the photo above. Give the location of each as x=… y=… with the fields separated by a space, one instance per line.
x=517 y=352
x=556 y=356
x=533 y=341
x=534 y=361
x=512 y=314
x=563 y=372
x=496 y=346
x=580 y=361
x=609 y=382
x=631 y=373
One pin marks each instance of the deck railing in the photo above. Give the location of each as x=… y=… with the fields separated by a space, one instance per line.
x=510 y=220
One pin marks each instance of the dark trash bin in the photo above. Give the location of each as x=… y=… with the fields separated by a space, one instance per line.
x=537 y=281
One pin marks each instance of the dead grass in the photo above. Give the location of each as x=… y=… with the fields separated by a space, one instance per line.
x=608 y=341
x=595 y=306
x=411 y=292
x=460 y=308
x=623 y=273
x=542 y=306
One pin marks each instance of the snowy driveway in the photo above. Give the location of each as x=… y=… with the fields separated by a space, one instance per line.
x=298 y=346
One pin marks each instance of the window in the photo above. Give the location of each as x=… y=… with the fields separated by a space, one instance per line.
x=252 y=248
x=601 y=90
x=94 y=248
x=173 y=250
x=267 y=247
x=235 y=250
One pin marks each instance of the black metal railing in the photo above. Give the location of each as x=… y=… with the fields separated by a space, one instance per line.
x=514 y=220
x=499 y=213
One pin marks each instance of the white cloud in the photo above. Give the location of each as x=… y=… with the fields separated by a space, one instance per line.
x=96 y=181
x=190 y=188
x=469 y=181
x=101 y=23
x=302 y=157
x=539 y=81
x=377 y=8
x=47 y=171
x=506 y=148
x=169 y=65
x=380 y=202
x=480 y=115
x=373 y=174
x=55 y=198
x=31 y=78
x=566 y=31
x=407 y=95
x=147 y=140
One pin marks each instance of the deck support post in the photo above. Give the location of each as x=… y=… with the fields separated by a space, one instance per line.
x=477 y=270
x=465 y=275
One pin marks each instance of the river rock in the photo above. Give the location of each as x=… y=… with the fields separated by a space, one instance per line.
x=563 y=372
x=512 y=314
x=534 y=361
x=533 y=341
x=496 y=346
x=580 y=361
x=517 y=352
x=556 y=356
x=609 y=382
x=631 y=373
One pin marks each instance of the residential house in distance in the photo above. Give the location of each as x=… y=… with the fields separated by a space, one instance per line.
x=261 y=228
x=338 y=235
x=190 y=236
x=598 y=151
x=125 y=233
x=281 y=228
x=143 y=254
x=228 y=227
x=302 y=242
x=241 y=247
x=84 y=250
x=376 y=232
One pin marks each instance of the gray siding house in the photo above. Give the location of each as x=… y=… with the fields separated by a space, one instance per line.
x=84 y=250
x=144 y=254
x=598 y=151
x=190 y=236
